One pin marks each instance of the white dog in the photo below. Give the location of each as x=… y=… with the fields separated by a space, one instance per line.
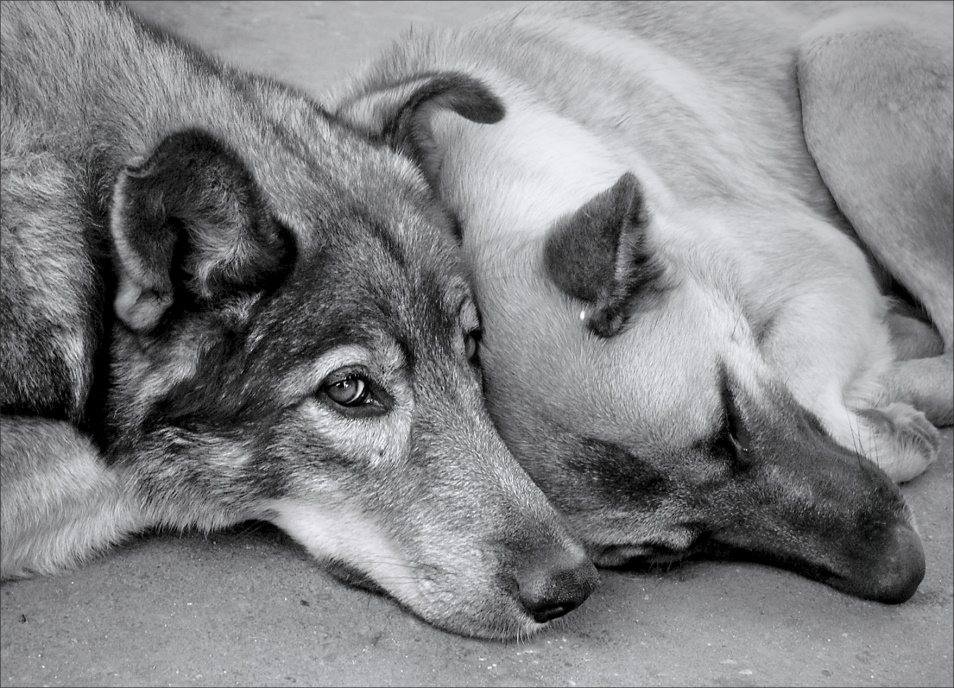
x=693 y=230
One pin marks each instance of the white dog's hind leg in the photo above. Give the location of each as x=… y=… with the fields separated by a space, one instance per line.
x=876 y=90
x=833 y=360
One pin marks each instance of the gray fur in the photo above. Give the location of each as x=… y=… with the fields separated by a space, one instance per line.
x=220 y=304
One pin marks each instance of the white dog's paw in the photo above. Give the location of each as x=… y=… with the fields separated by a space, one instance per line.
x=900 y=440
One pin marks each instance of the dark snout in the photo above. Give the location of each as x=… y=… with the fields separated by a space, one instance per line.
x=896 y=575
x=818 y=508
x=552 y=586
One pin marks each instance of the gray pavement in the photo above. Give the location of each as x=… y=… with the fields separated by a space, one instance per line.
x=248 y=607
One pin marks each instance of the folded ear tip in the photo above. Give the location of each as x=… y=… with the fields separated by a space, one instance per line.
x=484 y=107
x=606 y=322
x=628 y=192
x=399 y=113
x=140 y=309
x=135 y=168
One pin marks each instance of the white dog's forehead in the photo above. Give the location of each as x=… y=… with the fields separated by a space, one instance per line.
x=663 y=371
x=534 y=164
x=659 y=381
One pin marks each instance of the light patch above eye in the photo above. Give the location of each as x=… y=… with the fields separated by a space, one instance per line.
x=469 y=318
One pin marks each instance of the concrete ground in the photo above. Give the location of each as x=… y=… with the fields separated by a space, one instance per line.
x=247 y=607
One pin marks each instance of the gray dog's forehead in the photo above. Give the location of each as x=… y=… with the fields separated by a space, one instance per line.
x=372 y=272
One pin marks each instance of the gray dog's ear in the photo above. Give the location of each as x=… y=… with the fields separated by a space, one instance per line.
x=399 y=113
x=190 y=226
x=599 y=255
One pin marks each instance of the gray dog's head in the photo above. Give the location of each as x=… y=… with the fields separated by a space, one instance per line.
x=295 y=345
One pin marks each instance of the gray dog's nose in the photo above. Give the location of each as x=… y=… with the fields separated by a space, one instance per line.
x=551 y=589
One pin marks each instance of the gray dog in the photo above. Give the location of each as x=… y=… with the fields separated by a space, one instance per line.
x=220 y=304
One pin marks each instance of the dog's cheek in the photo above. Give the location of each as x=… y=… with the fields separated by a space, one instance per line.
x=142 y=374
x=323 y=452
x=336 y=479
x=621 y=501
x=359 y=550
x=596 y=484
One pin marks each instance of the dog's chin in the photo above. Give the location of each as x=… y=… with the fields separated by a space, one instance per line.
x=620 y=556
x=350 y=575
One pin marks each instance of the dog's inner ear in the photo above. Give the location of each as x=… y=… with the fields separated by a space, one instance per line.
x=399 y=114
x=190 y=225
x=599 y=255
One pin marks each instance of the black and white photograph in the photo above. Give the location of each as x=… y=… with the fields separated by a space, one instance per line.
x=476 y=343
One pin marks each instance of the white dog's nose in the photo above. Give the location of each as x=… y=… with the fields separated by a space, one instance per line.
x=900 y=571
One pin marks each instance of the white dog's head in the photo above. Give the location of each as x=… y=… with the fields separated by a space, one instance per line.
x=620 y=364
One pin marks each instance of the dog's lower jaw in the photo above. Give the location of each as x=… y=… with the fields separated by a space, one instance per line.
x=444 y=589
x=523 y=625
x=616 y=556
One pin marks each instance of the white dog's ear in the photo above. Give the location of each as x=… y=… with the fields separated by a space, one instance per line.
x=599 y=255
x=189 y=226
x=398 y=114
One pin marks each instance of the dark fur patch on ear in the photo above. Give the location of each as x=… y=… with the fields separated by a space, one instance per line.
x=398 y=113
x=455 y=91
x=190 y=227
x=599 y=255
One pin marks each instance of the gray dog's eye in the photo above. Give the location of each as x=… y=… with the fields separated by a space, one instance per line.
x=351 y=391
x=355 y=394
